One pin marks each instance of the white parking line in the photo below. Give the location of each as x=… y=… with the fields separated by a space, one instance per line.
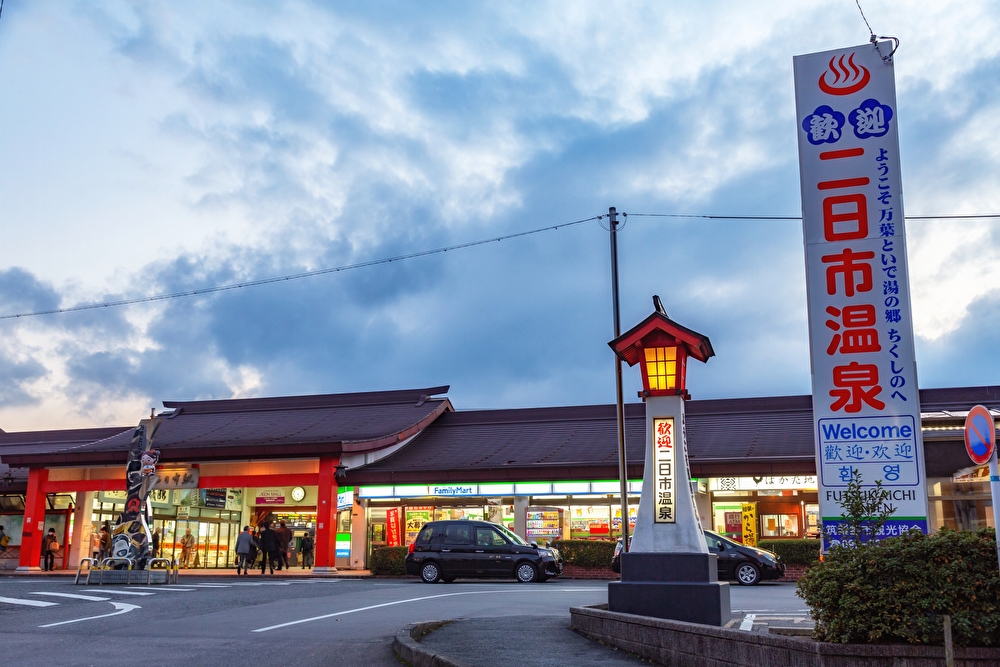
x=122 y=607
x=72 y=596
x=91 y=590
x=28 y=603
x=747 y=623
x=425 y=597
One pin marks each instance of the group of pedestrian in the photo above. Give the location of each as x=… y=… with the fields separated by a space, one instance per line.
x=272 y=546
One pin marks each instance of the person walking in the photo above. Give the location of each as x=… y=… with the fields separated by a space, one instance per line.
x=284 y=539
x=50 y=545
x=187 y=546
x=156 y=543
x=269 y=545
x=4 y=540
x=244 y=547
x=307 y=550
x=105 y=543
x=95 y=544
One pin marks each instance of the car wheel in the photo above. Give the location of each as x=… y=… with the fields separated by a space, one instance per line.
x=747 y=574
x=430 y=572
x=526 y=573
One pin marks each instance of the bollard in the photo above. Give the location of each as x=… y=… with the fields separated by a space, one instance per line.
x=949 y=651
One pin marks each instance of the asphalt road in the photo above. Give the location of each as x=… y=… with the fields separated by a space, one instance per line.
x=269 y=622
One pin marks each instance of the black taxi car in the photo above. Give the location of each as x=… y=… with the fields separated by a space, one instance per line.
x=447 y=550
x=746 y=565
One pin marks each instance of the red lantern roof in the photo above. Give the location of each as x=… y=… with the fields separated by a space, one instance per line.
x=658 y=330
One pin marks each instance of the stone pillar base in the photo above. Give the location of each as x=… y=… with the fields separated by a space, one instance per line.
x=324 y=571
x=25 y=568
x=676 y=586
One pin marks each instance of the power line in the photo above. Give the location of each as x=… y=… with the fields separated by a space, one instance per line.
x=293 y=276
x=424 y=253
x=950 y=216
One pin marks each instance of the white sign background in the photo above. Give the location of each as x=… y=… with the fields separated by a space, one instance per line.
x=865 y=401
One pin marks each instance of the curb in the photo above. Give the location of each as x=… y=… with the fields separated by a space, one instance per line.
x=407 y=649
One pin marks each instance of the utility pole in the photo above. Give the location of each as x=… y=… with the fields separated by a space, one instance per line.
x=622 y=463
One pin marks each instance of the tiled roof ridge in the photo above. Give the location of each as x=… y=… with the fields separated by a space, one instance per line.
x=307 y=402
x=67 y=434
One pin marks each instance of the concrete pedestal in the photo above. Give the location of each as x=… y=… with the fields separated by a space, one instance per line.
x=676 y=586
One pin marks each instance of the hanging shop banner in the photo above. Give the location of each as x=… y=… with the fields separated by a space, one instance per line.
x=865 y=402
x=270 y=497
x=764 y=482
x=663 y=463
x=749 y=527
x=392 y=527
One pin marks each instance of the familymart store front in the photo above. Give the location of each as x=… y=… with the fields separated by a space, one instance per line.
x=538 y=511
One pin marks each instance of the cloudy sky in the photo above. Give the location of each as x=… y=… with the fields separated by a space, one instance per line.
x=151 y=147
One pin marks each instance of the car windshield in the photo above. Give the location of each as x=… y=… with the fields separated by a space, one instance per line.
x=513 y=537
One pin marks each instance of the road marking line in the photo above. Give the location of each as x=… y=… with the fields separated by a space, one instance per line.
x=747 y=623
x=209 y=585
x=122 y=607
x=175 y=590
x=28 y=603
x=73 y=596
x=425 y=597
x=91 y=590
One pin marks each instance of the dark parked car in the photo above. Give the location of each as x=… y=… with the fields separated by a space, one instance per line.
x=745 y=565
x=447 y=550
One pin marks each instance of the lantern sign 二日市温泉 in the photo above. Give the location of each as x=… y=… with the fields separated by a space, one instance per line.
x=866 y=407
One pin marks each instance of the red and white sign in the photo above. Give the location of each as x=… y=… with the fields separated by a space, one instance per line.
x=980 y=435
x=664 y=476
x=392 y=536
x=865 y=401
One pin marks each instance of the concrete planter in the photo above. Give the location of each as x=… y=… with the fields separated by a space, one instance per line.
x=690 y=645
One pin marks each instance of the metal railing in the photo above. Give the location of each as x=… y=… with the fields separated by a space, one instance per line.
x=91 y=562
x=170 y=566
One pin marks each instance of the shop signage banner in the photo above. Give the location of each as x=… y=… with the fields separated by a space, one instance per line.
x=865 y=402
x=175 y=478
x=749 y=516
x=392 y=527
x=663 y=463
x=345 y=499
x=270 y=497
x=765 y=482
x=455 y=490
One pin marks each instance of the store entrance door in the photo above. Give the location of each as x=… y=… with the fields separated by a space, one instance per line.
x=213 y=542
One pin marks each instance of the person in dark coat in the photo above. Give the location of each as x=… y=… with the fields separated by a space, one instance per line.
x=284 y=539
x=156 y=543
x=307 y=550
x=269 y=545
x=50 y=544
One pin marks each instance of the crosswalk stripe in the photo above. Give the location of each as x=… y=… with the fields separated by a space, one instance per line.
x=91 y=590
x=72 y=596
x=28 y=603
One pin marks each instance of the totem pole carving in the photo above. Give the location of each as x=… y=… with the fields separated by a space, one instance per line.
x=131 y=536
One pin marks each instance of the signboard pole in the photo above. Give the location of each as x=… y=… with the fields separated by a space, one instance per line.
x=995 y=499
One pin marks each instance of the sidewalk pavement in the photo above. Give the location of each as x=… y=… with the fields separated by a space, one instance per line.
x=205 y=572
x=539 y=641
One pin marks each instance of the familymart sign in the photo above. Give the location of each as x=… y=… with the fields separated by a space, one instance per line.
x=865 y=401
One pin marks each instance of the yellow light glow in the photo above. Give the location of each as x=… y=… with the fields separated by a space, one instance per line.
x=661 y=367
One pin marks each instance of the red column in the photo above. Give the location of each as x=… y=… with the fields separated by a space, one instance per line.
x=34 y=520
x=326 y=516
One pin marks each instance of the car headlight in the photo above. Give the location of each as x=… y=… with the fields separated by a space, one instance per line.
x=544 y=552
x=767 y=557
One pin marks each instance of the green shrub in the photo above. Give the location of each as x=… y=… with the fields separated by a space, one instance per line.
x=586 y=553
x=388 y=561
x=793 y=552
x=896 y=590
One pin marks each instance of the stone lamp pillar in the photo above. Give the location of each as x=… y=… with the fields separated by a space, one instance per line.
x=668 y=571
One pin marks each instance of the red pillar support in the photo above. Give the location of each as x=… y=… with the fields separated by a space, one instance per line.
x=326 y=516
x=34 y=520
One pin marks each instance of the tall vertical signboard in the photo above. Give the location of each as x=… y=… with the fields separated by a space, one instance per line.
x=866 y=408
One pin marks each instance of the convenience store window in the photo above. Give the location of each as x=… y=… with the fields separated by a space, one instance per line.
x=779 y=525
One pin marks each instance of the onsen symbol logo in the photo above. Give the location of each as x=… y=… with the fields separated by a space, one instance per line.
x=847 y=78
